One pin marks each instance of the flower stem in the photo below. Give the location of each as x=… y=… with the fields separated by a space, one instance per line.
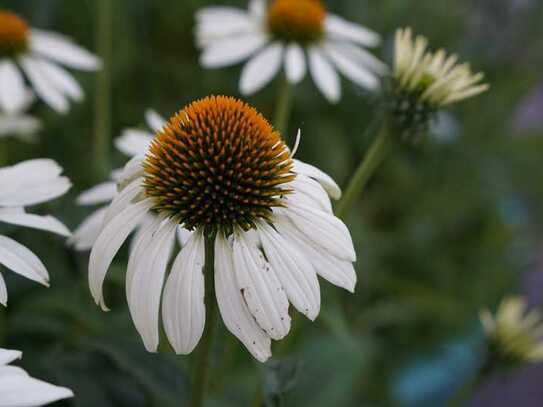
x=466 y=392
x=375 y=156
x=201 y=377
x=102 y=118
x=4 y=154
x=282 y=108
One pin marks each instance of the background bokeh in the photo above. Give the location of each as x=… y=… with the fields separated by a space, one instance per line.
x=445 y=228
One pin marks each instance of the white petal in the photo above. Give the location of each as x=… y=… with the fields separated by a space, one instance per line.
x=233 y=309
x=183 y=235
x=22 y=261
x=3 y=299
x=295 y=66
x=215 y=23
x=324 y=75
x=43 y=86
x=338 y=272
x=348 y=67
x=232 y=50
x=133 y=142
x=109 y=242
x=257 y=9
x=183 y=307
x=130 y=172
x=21 y=390
x=261 y=69
x=122 y=200
x=62 y=80
x=8 y=356
x=312 y=190
x=86 y=234
x=361 y=57
x=338 y=27
x=295 y=272
x=24 y=126
x=16 y=216
x=260 y=288
x=62 y=49
x=321 y=177
x=13 y=93
x=145 y=278
x=155 y=121
x=324 y=229
x=98 y=194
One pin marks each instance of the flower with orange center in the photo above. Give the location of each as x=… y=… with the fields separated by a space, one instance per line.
x=220 y=174
x=13 y=34
x=293 y=34
x=38 y=56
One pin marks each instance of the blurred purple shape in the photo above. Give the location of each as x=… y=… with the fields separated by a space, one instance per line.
x=532 y=283
x=529 y=114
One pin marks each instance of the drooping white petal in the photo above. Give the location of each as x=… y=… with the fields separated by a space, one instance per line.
x=130 y=172
x=109 y=242
x=3 y=298
x=145 y=278
x=17 y=216
x=295 y=65
x=312 y=190
x=232 y=306
x=257 y=9
x=183 y=235
x=360 y=56
x=293 y=270
x=86 y=234
x=218 y=22
x=348 y=67
x=20 y=260
x=98 y=194
x=260 y=287
x=13 y=93
x=261 y=68
x=232 y=50
x=133 y=142
x=321 y=177
x=43 y=85
x=62 y=80
x=336 y=271
x=338 y=27
x=324 y=229
x=155 y=121
x=8 y=356
x=62 y=49
x=183 y=307
x=324 y=75
x=122 y=200
x=23 y=126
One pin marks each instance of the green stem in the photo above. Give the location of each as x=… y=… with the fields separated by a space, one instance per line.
x=102 y=118
x=282 y=108
x=4 y=154
x=366 y=169
x=201 y=376
x=466 y=392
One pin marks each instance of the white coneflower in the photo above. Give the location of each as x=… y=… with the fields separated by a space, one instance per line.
x=39 y=54
x=132 y=142
x=292 y=34
x=423 y=81
x=515 y=334
x=18 y=389
x=28 y=183
x=219 y=169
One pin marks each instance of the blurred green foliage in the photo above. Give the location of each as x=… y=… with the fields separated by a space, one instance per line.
x=443 y=229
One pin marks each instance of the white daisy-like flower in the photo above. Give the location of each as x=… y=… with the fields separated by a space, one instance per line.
x=221 y=171
x=18 y=389
x=516 y=335
x=28 y=183
x=132 y=142
x=294 y=35
x=39 y=54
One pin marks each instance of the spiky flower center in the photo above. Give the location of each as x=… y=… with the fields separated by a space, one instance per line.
x=217 y=165
x=13 y=34
x=300 y=21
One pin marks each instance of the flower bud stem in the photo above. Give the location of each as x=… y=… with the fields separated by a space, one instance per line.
x=282 y=107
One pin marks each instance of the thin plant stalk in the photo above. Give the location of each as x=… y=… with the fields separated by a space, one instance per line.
x=4 y=153
x=282 y=107
x=102 y=118
x=203 y=362
x=373 y=159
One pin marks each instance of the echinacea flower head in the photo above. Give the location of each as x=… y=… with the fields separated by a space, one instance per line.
x=515 y=333
x=424 y=81
x=220 y=172
x=289 y=34
x=39 y=54
x=18 y=389
x=25 y=184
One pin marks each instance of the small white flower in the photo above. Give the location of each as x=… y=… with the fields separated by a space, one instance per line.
x=25 y=184
x=295 y=35
x=132 y=142
x=220 y=170
x=515 y=334
x=40 y=55
x=18 y=389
